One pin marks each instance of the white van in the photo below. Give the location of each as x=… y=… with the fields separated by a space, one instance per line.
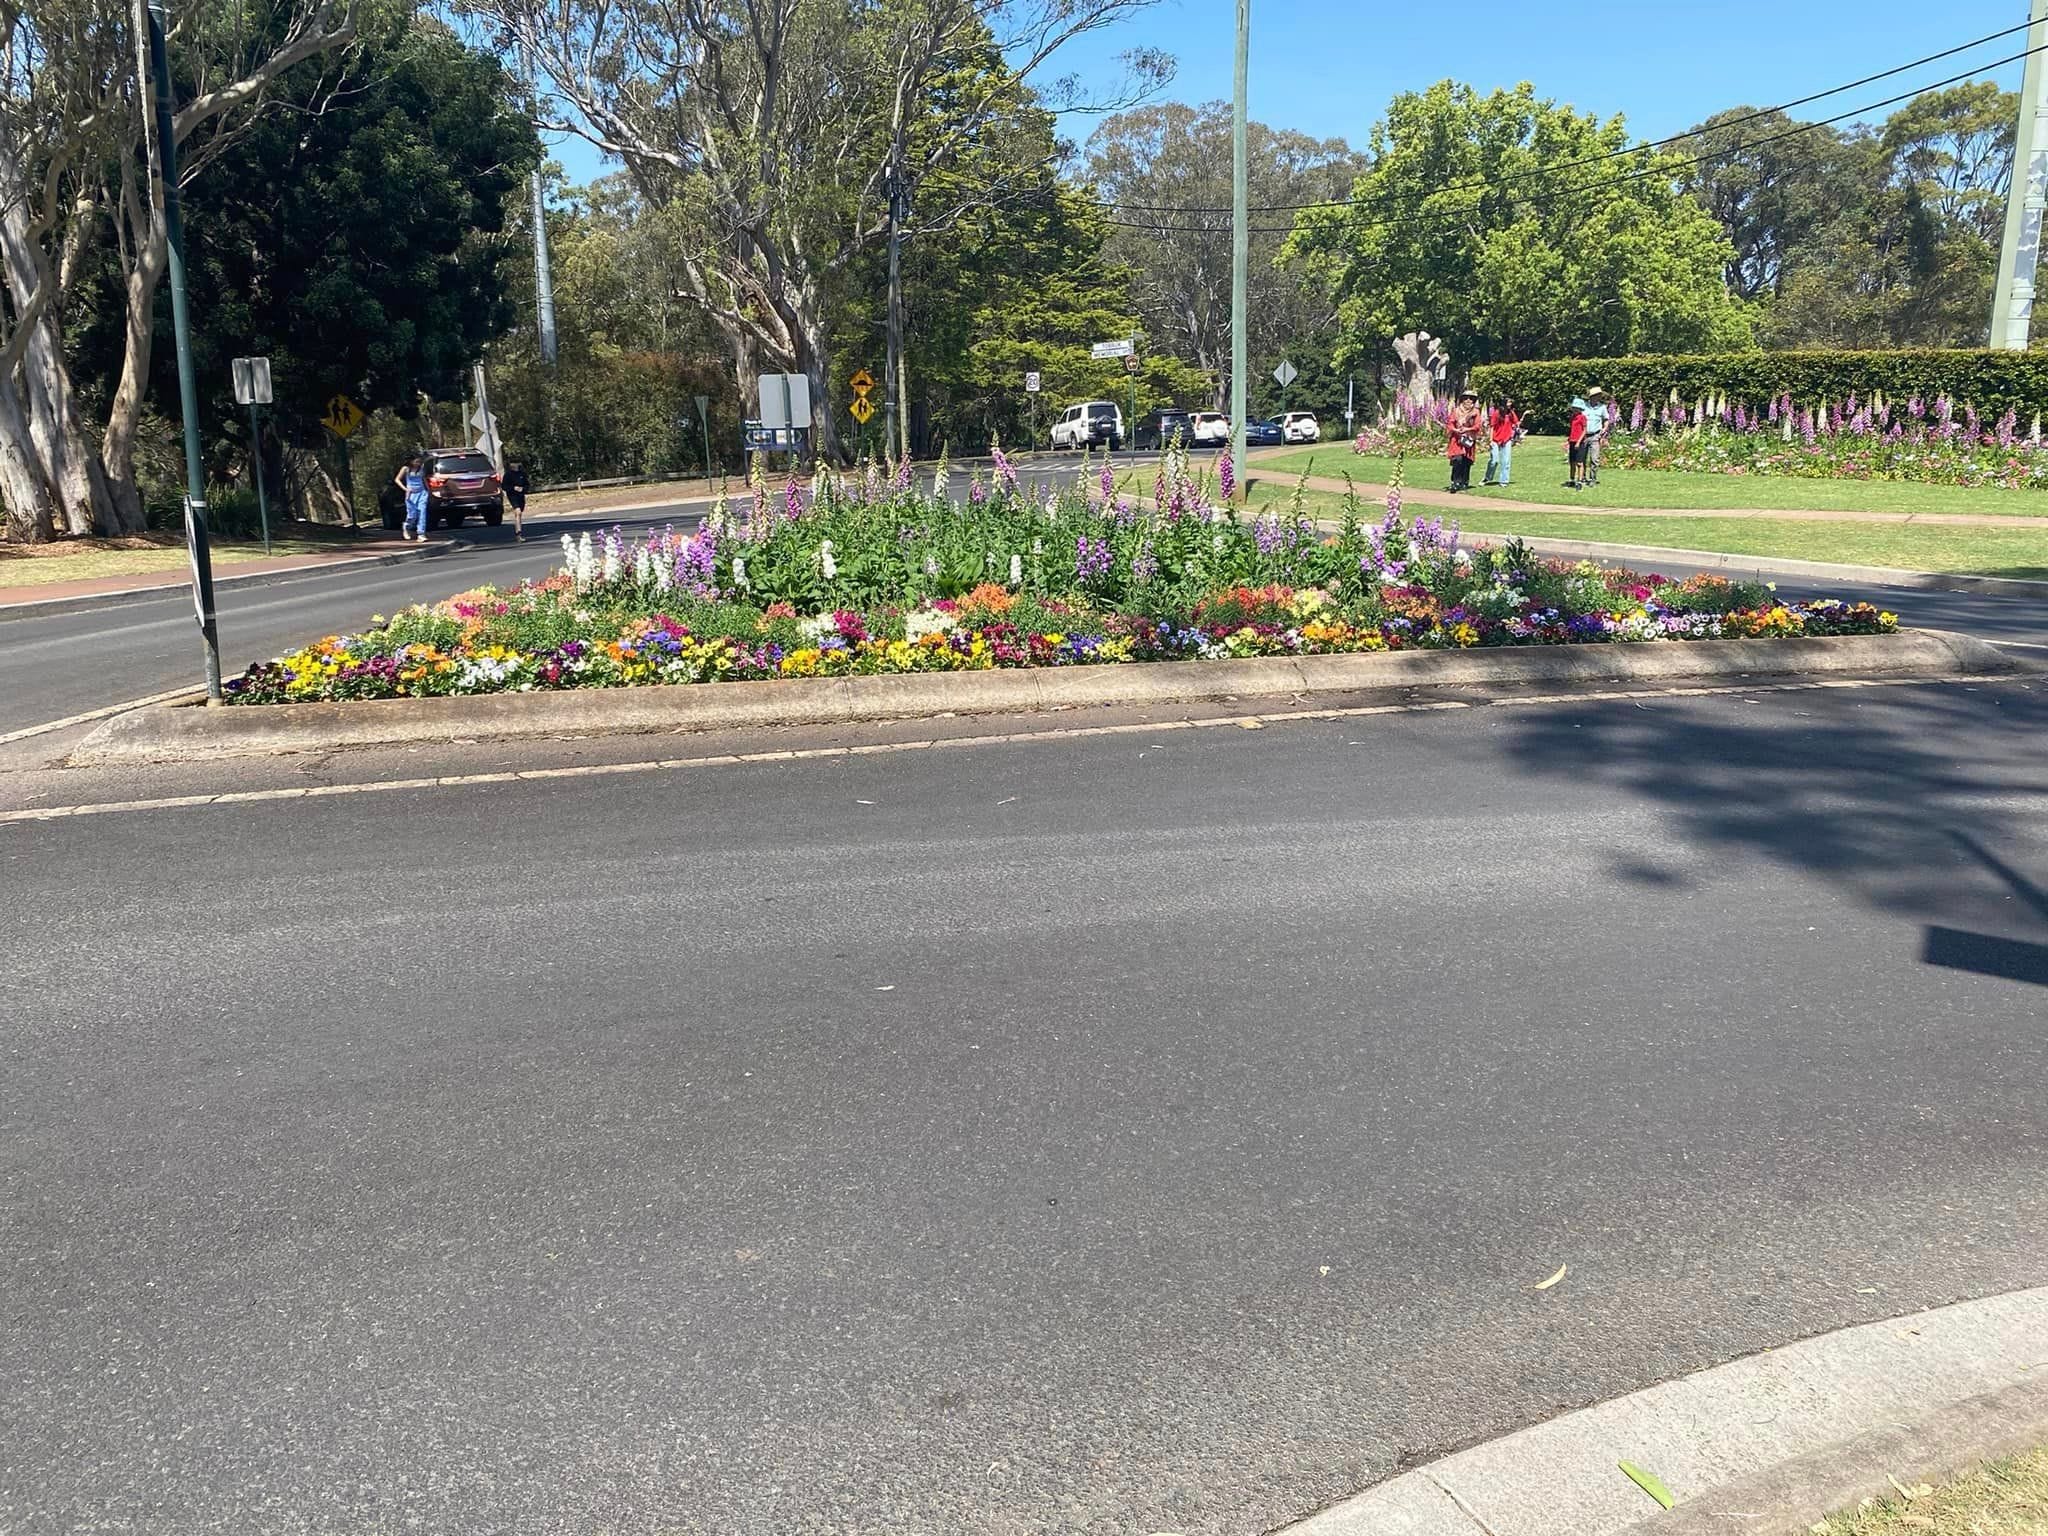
x=1090 y=424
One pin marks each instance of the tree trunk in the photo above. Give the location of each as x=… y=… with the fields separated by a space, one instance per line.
x=31 y=514
x=124 y=414
x=73 y=471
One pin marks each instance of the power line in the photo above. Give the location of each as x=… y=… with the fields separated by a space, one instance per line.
x=1690 y=133
x=1665 y=169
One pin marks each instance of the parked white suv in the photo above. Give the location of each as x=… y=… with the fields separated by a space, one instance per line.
x=1089 y=424
x=1300 y=427
x=1210 y=427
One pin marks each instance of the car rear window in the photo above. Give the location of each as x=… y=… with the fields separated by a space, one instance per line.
x=1102 y=412
x=464 y=464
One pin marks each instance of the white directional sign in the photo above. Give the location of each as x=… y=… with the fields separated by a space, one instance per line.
x=1031 y=382
x=785 y=400
x=1285 y=374
x=1103 y=350
x=252 y=381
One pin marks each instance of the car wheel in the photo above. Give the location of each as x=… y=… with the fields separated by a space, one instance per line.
x=493 y=518
x=452 y=518
x=393 y=518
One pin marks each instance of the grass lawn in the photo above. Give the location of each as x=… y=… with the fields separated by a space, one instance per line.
x=2007 y=1498
x=85 y=559
x=1540 y=474
x=2020 y=552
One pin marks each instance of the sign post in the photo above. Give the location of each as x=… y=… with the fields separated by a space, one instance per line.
x=1126 y=348
x=252 y=388
x=1350 y=401
x=786 y=410
x=1031 y=388
x=1285 y=375
x=862 y=409
x=704 y=421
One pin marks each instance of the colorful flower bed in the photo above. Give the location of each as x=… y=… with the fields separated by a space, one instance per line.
x=877 y=576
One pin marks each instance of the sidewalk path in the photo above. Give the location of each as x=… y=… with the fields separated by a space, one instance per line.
x=1426 y=496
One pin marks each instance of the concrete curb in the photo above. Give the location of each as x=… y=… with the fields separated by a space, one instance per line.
x=1705 y=559
x=85 y=602
x=172 y=733
x=1764 y=1445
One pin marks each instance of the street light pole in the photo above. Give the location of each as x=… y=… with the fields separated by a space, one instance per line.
x=1240 y=236
x=196 y=537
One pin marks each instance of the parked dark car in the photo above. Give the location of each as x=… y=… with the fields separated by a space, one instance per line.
x=1264 y=434
x=462 y=481
x=1158 y=428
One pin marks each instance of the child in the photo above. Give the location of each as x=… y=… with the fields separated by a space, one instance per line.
x=1577 y=437
x=412 y=479
x=1506 y=423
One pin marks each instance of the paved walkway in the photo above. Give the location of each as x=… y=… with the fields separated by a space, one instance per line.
x=1433 y=497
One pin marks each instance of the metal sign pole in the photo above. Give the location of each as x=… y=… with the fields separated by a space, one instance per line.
x=197 y=541
x=256 y=453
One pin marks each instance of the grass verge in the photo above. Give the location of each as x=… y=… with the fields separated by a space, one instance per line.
x=2006 y=1498
x=1540 y=472
x=2012 y=552
x=87 y=559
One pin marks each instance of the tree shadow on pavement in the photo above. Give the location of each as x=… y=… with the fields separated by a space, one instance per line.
x=1921 y=801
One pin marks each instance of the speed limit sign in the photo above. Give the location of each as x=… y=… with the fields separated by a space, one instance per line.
x=1031 y=382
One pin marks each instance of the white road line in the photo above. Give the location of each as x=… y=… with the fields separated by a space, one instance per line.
x=166 y=697
x=1007 y=738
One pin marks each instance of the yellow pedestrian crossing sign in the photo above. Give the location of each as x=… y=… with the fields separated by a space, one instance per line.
x=342 y=416
x=863 y=410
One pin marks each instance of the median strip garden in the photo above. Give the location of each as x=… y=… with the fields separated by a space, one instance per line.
x=877 y=576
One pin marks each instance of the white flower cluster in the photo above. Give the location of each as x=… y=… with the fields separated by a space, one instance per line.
x=579 y=559
x=920 y=622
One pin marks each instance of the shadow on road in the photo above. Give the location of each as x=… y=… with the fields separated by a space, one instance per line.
x=1918 y=801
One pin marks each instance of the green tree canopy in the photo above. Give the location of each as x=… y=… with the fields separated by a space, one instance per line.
x=1475 y=224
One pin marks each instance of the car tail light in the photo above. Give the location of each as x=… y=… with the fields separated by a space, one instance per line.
x=435 y=482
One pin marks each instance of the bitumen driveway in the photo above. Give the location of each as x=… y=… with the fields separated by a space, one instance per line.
x=1109 y=1135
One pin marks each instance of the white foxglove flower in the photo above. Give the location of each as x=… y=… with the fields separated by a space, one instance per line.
x=1016 y=570
x=825 y=561
x=739 y=574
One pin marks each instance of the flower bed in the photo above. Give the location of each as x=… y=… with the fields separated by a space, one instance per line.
x=877 y=576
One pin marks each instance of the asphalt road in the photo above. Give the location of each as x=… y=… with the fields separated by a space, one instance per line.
x=1104 y=1135
x=62 y=665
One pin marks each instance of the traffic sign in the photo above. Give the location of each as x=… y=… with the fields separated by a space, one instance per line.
x=342 y=416
x=1285 y=374
x=863 y=409
x=1131 y=363
x=1104 y=350
x=1031 y=382
x=862 y=382
x=252 y=380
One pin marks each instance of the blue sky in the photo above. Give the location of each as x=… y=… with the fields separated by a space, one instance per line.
x=1329 y=70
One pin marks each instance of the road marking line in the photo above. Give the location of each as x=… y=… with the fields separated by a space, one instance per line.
x=91 y=715
x=1007 y=738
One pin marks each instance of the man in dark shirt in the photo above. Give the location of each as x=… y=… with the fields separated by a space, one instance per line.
x=516 y=484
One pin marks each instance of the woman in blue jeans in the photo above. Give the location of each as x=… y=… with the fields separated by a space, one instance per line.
x=412 y=479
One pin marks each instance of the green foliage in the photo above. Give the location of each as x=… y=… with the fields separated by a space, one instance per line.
x=1993 y=381
x=1458 y=230
x=352 y=232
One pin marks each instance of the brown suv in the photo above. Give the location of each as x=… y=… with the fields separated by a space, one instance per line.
x=461 y=481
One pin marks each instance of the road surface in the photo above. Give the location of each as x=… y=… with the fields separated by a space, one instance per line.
x=1098 y=1135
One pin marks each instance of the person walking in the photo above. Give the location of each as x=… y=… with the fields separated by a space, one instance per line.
x=1598 y=417
x=1506 y=424
x=1575 y=438
x=412 y=479
x=516 y=485
x=1462 y=433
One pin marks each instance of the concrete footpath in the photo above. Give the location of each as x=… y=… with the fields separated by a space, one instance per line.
x=1764 y=1445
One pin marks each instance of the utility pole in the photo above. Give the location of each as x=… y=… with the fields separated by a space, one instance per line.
x=1240 y=235
x=895 y=381
x=197 y=539
x=543 y=275
x=2026 y=198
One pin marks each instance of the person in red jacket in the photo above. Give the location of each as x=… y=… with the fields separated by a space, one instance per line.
x=1576 y=435
x=1462 y=432
x=1506 y=423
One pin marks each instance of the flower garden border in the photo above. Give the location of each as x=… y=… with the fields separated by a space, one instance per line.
x=168 y=733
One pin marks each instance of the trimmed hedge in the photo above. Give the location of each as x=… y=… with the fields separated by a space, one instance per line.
x=1991 y=381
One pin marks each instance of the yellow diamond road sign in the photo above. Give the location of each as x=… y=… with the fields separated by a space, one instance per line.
x=862 y=410
x=862 y=381
x=342 y=416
